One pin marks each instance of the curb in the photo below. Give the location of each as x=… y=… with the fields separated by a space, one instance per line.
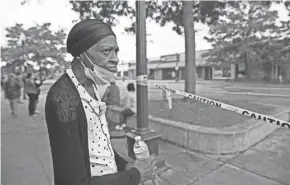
x=228 y=140
x=256 y=94
x=235 y=87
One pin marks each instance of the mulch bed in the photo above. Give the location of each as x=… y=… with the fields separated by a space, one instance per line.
x=205 y=115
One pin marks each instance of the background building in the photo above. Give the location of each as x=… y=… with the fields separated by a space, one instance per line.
x=123 y=68
x=171 y=67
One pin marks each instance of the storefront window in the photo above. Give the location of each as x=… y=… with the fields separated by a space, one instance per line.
x=226 y=72
x=218 y=72
x=222 y=71
x=167 y=74
x=199 y=72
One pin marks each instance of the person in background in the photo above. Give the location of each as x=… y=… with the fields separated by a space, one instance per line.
x=24 y=87
x=2 y=85
x=130 y=107
x=19 y=81
x=112 y=94
x=11 y=90
x=33 y=91
x=38 y=83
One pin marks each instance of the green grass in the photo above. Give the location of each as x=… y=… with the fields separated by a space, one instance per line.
x=205 y=115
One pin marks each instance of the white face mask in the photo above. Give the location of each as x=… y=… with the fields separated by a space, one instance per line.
x=99 y=76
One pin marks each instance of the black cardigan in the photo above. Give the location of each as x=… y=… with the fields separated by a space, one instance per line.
x=67 y=129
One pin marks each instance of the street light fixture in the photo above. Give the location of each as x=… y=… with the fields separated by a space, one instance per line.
x=21 y=42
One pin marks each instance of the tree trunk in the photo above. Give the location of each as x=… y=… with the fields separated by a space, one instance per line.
x=247 y=73
x=190 y=67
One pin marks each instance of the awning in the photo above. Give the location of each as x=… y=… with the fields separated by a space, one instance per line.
x=132 y=67
x=171 y=65
x=153 y=66
x=149 y=66
x=164 y=65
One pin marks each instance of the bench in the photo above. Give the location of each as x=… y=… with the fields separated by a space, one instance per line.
x=113 y=114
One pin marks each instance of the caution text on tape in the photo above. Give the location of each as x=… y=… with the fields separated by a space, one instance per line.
x=225 y=106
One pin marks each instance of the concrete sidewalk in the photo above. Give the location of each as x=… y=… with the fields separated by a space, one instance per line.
x=26 y=158
x=267 y=163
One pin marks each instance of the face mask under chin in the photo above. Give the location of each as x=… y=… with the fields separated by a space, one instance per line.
x=98 y=75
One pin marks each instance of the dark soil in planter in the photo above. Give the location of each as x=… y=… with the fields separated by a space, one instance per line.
x=205 y=115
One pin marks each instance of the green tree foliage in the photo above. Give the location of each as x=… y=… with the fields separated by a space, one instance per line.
x=162 y=12
x=247 y=33
x=40 y=45
x=284 y=34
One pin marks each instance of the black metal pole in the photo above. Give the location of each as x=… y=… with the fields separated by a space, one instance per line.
x=141 y=67
x=142 y=129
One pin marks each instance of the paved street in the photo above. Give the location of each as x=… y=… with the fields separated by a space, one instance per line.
x=275 y=95
x=26 y=158
x=272 y=95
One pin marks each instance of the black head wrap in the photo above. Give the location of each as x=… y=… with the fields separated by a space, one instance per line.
x=85 y=34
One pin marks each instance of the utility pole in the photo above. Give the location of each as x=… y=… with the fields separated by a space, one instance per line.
x=143 y=130
x=141 y=68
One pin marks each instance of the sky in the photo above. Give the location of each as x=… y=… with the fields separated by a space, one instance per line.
x=59 y=13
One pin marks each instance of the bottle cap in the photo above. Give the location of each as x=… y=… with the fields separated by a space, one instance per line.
x=138 y=138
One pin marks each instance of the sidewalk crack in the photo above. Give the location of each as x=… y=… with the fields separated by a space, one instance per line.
x=241 y=168
x=42 y=167
x=198 y=179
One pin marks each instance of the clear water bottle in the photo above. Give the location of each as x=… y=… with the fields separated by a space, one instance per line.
x=140 y=149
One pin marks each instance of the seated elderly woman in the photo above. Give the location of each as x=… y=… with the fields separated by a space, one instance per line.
x=130 y=107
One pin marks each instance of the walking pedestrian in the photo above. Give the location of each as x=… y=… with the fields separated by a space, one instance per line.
x=11 y=90
x=19 y=81
x=33 y=91
x=24 y=87
x=37 y=83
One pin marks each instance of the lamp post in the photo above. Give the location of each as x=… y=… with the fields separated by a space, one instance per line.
x=143 y=130
x=177 y=72
x=21 y=42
